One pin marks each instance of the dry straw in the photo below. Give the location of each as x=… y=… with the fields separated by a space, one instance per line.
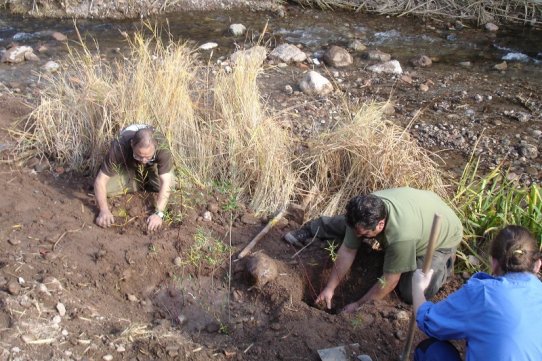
x=481 y=11
x=364 y=154
x=218 y=129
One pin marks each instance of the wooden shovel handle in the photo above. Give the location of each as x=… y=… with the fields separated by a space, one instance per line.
x=435 y=230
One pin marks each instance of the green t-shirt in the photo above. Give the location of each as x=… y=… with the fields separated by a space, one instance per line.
x=408 y=226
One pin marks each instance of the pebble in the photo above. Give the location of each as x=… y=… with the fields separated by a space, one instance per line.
x=288 y=89
x=237 y=29
x=61 y=309
x=178 y=261
x=207 y=216
x=213 y=207
x=21 y=280
x=65 y=332
x=15 y=349
x=208 y=46
x=51 y=66
x=423 y=87
x=491 y=27
x=364 y=358
x=501 y=66
x=14 y=242
x=58 y=36
x=132 y=298
x=107 y=358
x=121 y=348
x=57 y=319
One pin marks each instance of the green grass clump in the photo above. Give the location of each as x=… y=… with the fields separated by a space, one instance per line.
x=206 y=253
x=485 y=204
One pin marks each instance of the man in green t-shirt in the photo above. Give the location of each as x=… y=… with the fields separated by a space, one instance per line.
x=400 y=219
x=137 y=160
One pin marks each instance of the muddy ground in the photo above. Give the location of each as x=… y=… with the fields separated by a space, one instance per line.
x=70 y=290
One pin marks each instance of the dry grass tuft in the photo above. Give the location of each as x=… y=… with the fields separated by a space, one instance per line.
x=362 y=155
x=516 y=11
x=254 y=151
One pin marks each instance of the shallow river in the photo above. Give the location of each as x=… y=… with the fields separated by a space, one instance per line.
x=402 y=37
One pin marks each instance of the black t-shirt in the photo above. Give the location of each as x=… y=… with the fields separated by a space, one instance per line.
x=120 y=155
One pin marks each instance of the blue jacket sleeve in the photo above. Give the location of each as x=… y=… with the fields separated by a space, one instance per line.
x=451 y=318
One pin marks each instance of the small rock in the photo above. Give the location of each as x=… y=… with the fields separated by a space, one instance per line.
x=14 y=242
x=178 y=261
x=388 y=108
x=132 y=298
x=423 y=87
x=57 y=319
x=262 y=268
x=357 y=46
x=58 y=36
x=207 y=216
x=107 y=358
x=42 y=49
x=256 y=54
x=213 y=207
x=402 y=315
x=15 y=349
x=465 y=64
x=400 y=335
x=52 y=283
x=64 y=332
x=121 y=348
x=501 y=66
x=406 y=78
x=364 y=358
x=14 y=288
x=237 y=29
x=378 y=55
x=21 y=280
x=61 y=309
x=43 y=289
x=478 y=98
x=208 y=46
x=288 y=89
x=390 y=67
x=51 y=66
x=315 y=84
x=528 y=151
x=536 y=133
x=249 y=218
x=288 y=53
x=31 y=57
x=16 y=54
x=491 y=27
x=422 y=61
x=337 y=57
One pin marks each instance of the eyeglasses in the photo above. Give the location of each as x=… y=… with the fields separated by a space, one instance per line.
x=145 y=160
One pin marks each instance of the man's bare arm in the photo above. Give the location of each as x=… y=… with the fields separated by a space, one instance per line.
x=105 y=217
x=345 y=258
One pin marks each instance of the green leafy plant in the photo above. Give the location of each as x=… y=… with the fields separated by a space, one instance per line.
x=332 y=250
x=206 y=251
x=487 y=203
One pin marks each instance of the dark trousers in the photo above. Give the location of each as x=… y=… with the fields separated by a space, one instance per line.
x=442 y=261
x=432 y=349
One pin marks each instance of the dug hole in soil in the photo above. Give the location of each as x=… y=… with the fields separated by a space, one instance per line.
x=71 y=290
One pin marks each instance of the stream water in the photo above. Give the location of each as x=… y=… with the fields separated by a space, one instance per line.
x=314 y=30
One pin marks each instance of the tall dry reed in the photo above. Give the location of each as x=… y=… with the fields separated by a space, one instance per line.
x=517 y=11
x=364 y=154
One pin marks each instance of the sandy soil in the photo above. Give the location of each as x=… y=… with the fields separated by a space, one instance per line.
x=71 y=290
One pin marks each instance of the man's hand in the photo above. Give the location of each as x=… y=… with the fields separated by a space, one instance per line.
x=325 y=296
x=105 y=219
x=351 y=307
x=420 y=280
x=153 y=222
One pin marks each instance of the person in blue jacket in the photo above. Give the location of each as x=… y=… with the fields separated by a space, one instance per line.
x=498 y=316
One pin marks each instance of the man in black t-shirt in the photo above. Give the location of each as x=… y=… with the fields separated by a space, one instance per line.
x=138 y=160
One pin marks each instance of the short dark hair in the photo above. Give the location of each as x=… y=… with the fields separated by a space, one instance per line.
x=365 y=211
x=515 y=249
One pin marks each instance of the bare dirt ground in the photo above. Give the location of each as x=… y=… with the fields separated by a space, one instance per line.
x=71 y=290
